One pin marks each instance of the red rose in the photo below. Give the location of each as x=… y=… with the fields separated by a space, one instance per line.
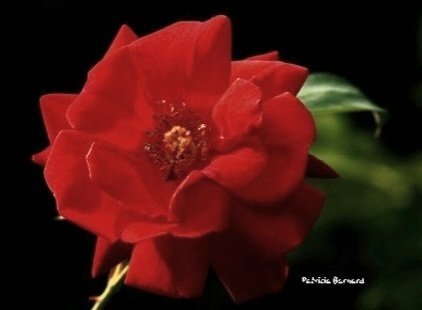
x=180 y=159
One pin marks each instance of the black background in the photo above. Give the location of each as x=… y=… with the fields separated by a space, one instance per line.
x=56 y=42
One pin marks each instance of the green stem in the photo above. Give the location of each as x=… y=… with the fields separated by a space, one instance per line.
x=115 y=280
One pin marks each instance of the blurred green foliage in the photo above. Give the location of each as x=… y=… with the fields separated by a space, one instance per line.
x=379 y=198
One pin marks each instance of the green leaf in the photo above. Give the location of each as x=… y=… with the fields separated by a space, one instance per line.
x=325 y=92
x=328 y=93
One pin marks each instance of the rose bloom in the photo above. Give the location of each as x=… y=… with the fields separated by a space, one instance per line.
x=180 y=159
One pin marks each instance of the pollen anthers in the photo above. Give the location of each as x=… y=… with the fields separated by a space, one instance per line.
x=179 y=141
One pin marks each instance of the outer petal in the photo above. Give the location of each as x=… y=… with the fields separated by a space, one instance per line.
x=288 y=131
x=244 y=273
x=211 y=69
x=114 y=105
x=134 y=181
x=124 y=37
x=120 y=96
x=53 y=109
x=109 y=254
x=287 y=123
x=273 y=77
x=267 y=56
x=134 y=227
x=237 y=113
x=40 y=158
x=236 y=169
x=145 y=230
x=169 y=266
x=54 y=106
x=249 y=257
x=78 y=199
x=200 y=205
x=186 y=62
x=273 y=232
x=318 y=169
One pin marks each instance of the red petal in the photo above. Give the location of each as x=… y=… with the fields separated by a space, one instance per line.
x=287 y=123
x=267 y=56
x=273 y=77
x=318 y=169
x=237 y=113
x=114 y=105
x=236 y=169
x=108 y=254
x=210 y=73
x=200 y=206
x=78 y=199
x=273 y=232
x=118 y=100
x=169 y=266
x=186 y=62
x=288 y=131
x=134 y=227
x=243 y=272
x=145 y=230
x=124 y=37
x=53 y=108
x=134 y=181
x=41 y=157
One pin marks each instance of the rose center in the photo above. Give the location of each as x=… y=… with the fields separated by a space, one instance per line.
x=179 y=141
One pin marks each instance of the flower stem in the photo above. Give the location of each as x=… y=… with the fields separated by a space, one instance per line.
x=115 y=280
